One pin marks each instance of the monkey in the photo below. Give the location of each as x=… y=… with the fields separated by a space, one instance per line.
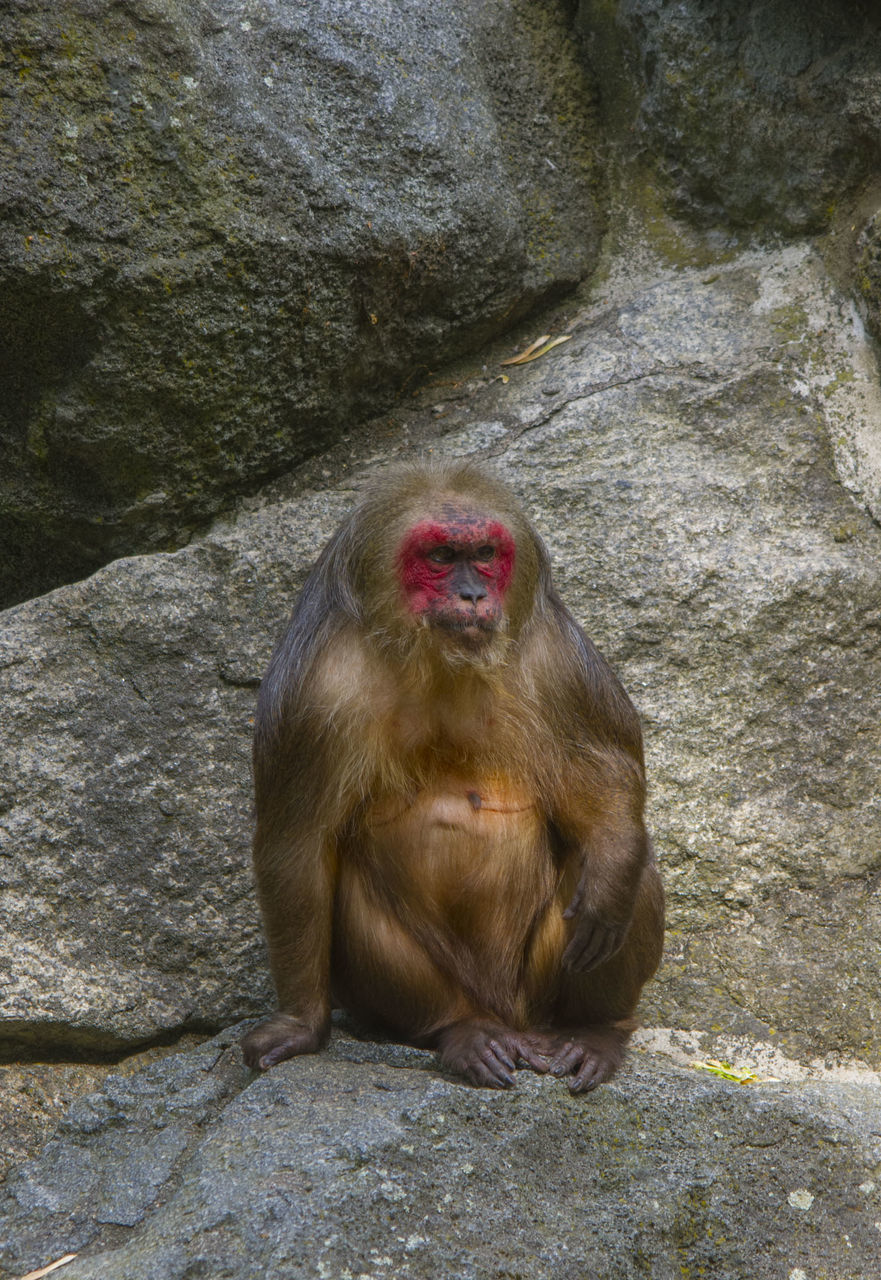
x=450 y=786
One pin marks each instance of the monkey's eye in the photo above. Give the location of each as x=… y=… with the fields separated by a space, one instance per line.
x=484 y=553
x=441 y=555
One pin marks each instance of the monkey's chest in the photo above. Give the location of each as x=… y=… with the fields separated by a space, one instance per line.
x=460 y=833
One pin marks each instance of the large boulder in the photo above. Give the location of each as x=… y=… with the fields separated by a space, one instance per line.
x=126 y=811
x=363 y=1161
x=765 y=113
x=676 y=455
x=226 y=232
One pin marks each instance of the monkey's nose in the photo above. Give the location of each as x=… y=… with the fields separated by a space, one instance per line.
x=468 y=585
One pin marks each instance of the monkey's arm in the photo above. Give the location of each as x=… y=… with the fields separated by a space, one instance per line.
x=599 y=820
x=599 y=796
x=300 y=800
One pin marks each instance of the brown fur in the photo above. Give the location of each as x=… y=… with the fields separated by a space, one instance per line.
x=450 y=839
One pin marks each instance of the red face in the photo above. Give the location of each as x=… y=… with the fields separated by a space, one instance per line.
x=455 y=570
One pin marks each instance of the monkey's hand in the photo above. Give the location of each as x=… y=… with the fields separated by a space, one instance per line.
x=595 y=937
x=278 y=1038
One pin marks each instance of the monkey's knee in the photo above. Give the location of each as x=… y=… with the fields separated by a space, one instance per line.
x=647 y=930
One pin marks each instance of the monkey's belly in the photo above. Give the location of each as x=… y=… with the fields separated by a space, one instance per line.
x=437 y=906
x=460 y=835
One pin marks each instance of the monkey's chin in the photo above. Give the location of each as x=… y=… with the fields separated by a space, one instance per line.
x=469 y=642
x=473 y=636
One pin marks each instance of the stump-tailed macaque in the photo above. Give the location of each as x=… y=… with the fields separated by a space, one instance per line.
x=449 y=787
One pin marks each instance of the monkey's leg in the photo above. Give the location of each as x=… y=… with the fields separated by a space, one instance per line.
x=596 y=1007
x=295 y=883
x=591 y=1012
x=384 y=976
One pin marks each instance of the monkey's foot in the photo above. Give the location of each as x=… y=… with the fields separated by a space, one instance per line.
x=486 y=1053
x=590 y=1055
x=280 y=1037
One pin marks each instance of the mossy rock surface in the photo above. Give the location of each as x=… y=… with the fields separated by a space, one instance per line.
x=226 y=233
x=764 y=114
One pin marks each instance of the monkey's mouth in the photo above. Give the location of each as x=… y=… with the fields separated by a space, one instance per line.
x=473 y=632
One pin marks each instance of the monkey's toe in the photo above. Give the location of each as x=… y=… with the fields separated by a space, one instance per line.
x=489 y=1074
x=590 y=1057
x=567 y=1057
x=593 y=1071
x=482 y=1053
x=536 y=1050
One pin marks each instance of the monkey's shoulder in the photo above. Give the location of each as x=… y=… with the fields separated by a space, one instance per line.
x=347 y=676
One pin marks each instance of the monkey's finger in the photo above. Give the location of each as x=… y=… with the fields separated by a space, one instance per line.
x=580 y=954
x=587 y=1077
x=502 y=1055
x=594 y=953
x=574 y=905
x=607 y=944
x=589 y=953
x=586 y=933
x=568 y=1058
x=576 y=957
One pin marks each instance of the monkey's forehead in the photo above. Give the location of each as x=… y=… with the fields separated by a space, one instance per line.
x=452 y=524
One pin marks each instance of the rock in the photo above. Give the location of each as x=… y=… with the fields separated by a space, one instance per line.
x=35 y=1095
x=126 y=817
x=753 y=114
x=33 y=1098
x=863 y=272
x=227 y=235
x=676 y=455
x=366 y=1161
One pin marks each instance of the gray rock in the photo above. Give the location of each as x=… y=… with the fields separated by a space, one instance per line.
x=754 y=114
x=227 y=231
x=864 y=274
x=676 y=454
x=34 y=1096
x=366 y=1162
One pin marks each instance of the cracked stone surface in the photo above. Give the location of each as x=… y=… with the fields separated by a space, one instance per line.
x=364 y=1161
